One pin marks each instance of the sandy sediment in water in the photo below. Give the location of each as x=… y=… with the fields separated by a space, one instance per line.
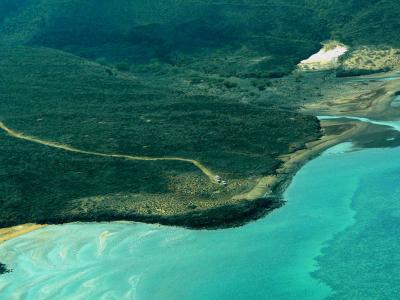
x=373 y=101
x=273 y=185
x=364 y=96
x=16 y=231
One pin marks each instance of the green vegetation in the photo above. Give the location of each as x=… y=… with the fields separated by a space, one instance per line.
x=3 y=269
x=368 y=60
x=9 y=7
x=123 y=67
x=355 y=22
x=65 y=99
x=279 y=33
x=275 y=35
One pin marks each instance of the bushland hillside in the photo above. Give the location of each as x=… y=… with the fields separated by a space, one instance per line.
x=58 y=97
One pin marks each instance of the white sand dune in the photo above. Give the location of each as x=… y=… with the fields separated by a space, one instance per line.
x=324 y=58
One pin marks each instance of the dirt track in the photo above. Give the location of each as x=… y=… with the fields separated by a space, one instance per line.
x=51 y=144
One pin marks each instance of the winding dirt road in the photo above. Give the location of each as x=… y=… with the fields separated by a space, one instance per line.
x=51 y=144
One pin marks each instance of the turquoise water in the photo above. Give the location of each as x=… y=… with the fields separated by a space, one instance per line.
x=297 y=252
x=363 y=261
x=396 y=102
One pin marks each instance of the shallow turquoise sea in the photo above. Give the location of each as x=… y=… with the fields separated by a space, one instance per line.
x=342 y=211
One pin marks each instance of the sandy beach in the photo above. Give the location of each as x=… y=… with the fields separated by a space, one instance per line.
x=364 y=96
x=16 y=231
x=273 y=185
x=374 y=103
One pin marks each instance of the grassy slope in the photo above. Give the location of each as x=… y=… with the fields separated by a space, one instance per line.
x=60 y=97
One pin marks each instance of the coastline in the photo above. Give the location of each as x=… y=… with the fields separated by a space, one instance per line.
x=373 y=104
x=292 y=162
x=267 y=194
x=265 y=197
x=9 y=233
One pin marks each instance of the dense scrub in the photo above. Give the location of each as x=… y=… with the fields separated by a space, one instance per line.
x=280 y=32
x=369 y=22
x=62 y=98
x=275 y=33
